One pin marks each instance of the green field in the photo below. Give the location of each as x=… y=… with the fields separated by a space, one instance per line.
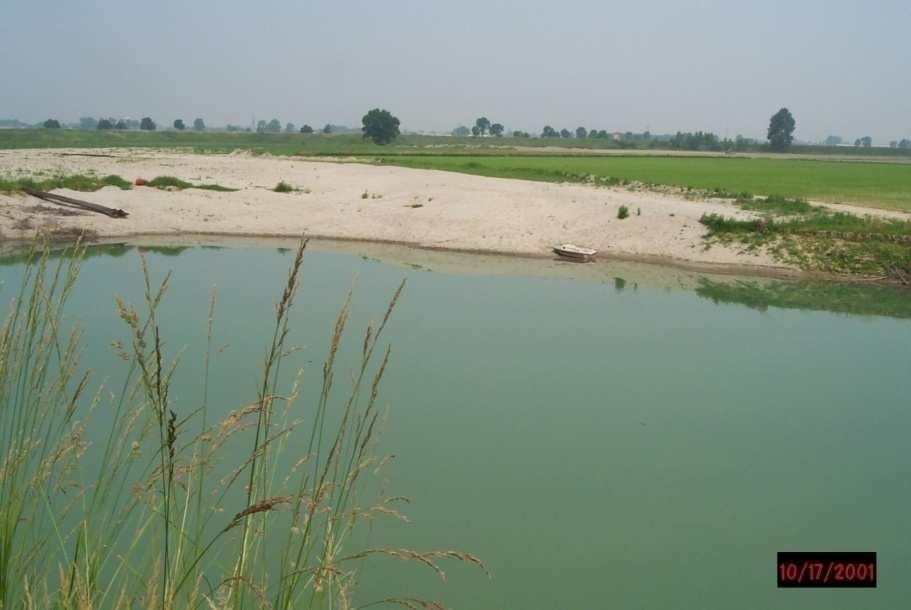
x=884 y=185
x=875 y=184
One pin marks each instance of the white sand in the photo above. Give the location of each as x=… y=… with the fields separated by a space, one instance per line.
x=457 y=211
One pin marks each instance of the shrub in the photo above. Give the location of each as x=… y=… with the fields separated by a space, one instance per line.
x=283 y=187
x=623 y=212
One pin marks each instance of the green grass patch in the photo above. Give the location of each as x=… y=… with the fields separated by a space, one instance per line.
x=173 y=183
x=776 y=205
x=284 y=187
x=883 y=185
x=623 y=212
x=76 y=182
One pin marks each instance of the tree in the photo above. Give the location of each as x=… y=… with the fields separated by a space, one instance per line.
x=483 y=124
x=274 y=126
x=199 y=124
x=327 y=129
x=866 y=141
x=781 y=130
x=475 y=130
x=147 y=124
x=260 y=126
x=306 y=129
x=564 y=133
x=548 y=132
x=833 y=140
x=88 y=122
x=581 y=133
x=497 y=129
x=121 y=124
x=380 y=126
x=461 y=132
x=904 y=143
x=290 y=128
x=179 y=125
x=52 y=124
x=105 y=124
x=603 y=134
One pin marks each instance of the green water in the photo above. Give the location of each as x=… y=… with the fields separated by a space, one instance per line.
x=599 y=436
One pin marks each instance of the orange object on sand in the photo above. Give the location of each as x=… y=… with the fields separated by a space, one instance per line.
x=141 y=182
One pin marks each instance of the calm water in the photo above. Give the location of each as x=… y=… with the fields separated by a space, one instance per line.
x=601 y=442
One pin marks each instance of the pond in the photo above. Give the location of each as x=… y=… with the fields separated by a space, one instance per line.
x=602 y=436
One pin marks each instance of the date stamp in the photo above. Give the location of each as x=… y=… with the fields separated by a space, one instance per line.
x=826 y=570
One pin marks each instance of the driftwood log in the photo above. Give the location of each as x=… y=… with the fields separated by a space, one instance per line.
x=69 y=202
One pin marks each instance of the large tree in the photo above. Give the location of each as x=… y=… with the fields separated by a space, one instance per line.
x=461 y=132
x=179 y=124
x=199 y=124
x=781 y=130
x=306 y=129
x=483 y=124
x=380 y=126
x=147 y=124
x=497 y=129
x=548 y=132
x=274 y=126
x=581 y=133
x=52 y=124
x=564 y=133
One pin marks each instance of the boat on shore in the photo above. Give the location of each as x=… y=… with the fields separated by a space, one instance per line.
x=576 y=253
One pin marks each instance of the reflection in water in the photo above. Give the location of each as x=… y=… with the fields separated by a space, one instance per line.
x=859 y=299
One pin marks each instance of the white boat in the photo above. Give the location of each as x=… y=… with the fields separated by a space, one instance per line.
x=574 y=252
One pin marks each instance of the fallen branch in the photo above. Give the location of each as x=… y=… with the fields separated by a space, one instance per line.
x=69 y=202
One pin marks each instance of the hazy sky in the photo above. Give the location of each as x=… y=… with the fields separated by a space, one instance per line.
x=842 y=67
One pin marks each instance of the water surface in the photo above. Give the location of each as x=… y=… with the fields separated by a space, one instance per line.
x=602 y=436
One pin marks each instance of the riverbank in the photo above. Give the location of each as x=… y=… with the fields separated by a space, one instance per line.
x=423 y=208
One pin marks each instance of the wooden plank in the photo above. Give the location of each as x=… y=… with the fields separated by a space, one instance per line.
x=77 y=203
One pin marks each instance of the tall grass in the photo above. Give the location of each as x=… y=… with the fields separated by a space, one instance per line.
x=142 y=518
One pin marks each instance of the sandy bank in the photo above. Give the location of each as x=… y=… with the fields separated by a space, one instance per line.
x=424 y=208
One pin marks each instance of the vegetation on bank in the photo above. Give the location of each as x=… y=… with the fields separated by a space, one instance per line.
x=148 y=517
x=75 y=182
x=821 y=240
x=172 y=183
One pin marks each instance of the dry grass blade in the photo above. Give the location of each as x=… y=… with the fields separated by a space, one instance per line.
x=412 y=603
x=426 y=558
x=260 y=507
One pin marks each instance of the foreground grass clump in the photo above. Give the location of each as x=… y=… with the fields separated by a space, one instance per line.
x=623 y=212
x=171 y=182
x=75 y=182
x=825 y=241
x=172 y=509
x=284 y=187
x=776 y=204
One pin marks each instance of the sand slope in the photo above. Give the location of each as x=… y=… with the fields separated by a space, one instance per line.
x=419 y=207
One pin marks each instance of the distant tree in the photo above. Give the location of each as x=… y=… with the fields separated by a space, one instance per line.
x=461 y=132
x=866 y=141
x=700 y=140
x=521 y=134
x=179 y=125
x=565 y=133
x=290 y=128
x=380 y=126
x=893 y=144
x=483 y=124
x=592 y=133
x=904 y=143
x=548 y=132
x=306 y=129
x=260 y=126
x=497 y=129
x=105 y=124
x=147 y=124
x=833 y=141
x=52 y=124
x=475 y=130
x=602 y=134
x=327 y=129
x=121 y=124
x=274 y=126
x=88 y=122
x=781 y=130
x=199 y=124
x=581 y=133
